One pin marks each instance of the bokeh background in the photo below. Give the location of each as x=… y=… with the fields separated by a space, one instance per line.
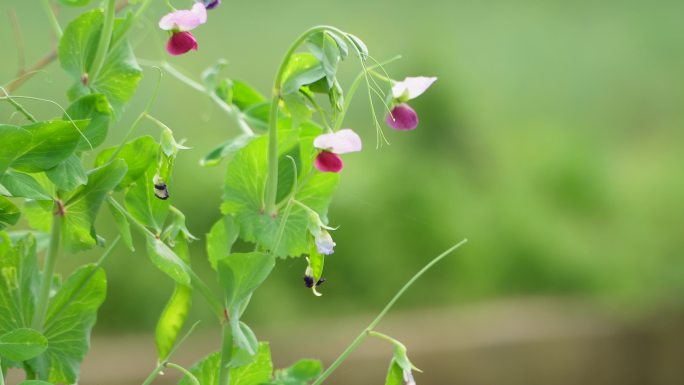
x=553 y=140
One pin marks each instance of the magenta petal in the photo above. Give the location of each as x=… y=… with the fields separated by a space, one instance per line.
x=403 y=117
x=328 y=162
x=181 y=42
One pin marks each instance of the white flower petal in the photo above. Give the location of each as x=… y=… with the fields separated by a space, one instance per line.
x=340 y=142
x=412 y=87
x=184 y=20
x=201 y=11
x=324 y=243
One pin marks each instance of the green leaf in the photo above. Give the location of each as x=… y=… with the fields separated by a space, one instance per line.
x=167 y=261
x=119 y=76
x=245 y=96
x=69 y=174
x=297 y=108
x=82 y=207
x=9 y=213
x=96 y=108
x=22 y=344
x=256 y=373
x=301 y=373
x=122 y=224
x=75 y=3
x=140 y=154
x=34 y=382
x=23 y=185
x=246 y=344
x=19 y=269
x=325 y=48
x=70 y=318
x=144 y=205
x=360 y=46
x=39 y=146
x=240 y=274
x=225 y=150
x=302 y=69
x=244 y=192
x=173 y=316
x=177 y=227
x=221 y=238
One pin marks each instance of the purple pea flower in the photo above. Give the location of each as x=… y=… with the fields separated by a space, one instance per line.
x=180 y=23
x=332 y=144
x=403 y=117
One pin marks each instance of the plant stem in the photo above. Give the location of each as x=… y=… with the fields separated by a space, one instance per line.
x=395 y=342
x=2 y=379
x=226 y=353
x=186 y=372
x=154 y=374
x=382 y=314
x=18 y=106
x=48 y=270
x=54 y=23
x=105 y=40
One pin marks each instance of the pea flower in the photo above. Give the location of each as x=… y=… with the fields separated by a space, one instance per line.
x=403 y=117
x=324 y=242
x=180 y=23
x=333 y=144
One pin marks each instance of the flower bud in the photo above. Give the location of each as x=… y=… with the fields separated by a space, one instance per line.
x=180 y=43
x=327 y=161
x=403 y=118
x=211 y=4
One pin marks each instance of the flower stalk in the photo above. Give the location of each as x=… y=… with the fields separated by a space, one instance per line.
x=48 y=268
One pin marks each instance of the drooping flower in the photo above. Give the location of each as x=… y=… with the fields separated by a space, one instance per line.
x=161 y=191
x=332 y=144
x=402 y=116
x=180 y=43
x=324 y=242
x=211 y=4
x=180 y=23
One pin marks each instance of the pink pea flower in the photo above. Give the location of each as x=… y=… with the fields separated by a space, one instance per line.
x=403 y=117
x=180 y=23
x=332 y=144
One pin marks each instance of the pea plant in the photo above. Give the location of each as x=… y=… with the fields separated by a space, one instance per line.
x=282 y=171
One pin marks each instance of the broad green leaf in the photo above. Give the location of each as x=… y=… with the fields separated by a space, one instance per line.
x=256 y=373
x=395 y=376
x=302 y=69
x=70 y=318
x=23 y=185
x=69 y=174
x=301 y=373
x=173 y=316
x=122 y=224
x=297 y=108
x=221 y=238
x=325 y=48
x=167 y=261
x=39 y=214
x=22 y=344
x=245 y=96
x=120 y=74
x=9 y=213
x=82 y=207
x=240 y=274
x=144 y=205
x=39 y=146
x=244 y=193
x=140 y=154
x=341 y=45
x=244 y=338
x=19 y=269
x=96 y=108
x=225 y=150
x=258 y=115
x=75 y=3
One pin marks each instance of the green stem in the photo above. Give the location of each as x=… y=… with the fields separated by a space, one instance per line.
x=231 y=111
x=272 y=181
x=48 y=270
x=54 y=23
x=382 y=314
x=196 y=280
x=105 y=40
x=2 y=379
x=226 y=353
x=382 y=336
x=186 y=372
x=154 y=374
x=18 y=106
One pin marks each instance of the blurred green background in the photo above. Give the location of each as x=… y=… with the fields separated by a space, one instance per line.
x=553 y=140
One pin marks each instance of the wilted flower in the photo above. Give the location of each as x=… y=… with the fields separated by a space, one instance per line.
x=408 y=377
x=211 y=4
x=160 y=189
x=403 y=117
x=332 y=144
x=309 y=279
x=179 y=23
